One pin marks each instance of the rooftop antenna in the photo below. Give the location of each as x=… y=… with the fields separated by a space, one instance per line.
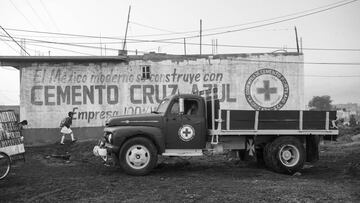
x=200 y=35
x=297 y=41
x=127 y=25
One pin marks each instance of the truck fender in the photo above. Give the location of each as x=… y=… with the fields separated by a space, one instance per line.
x=123 y=133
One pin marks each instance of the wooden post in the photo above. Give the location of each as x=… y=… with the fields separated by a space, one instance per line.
x=127 y=25
x=200 y=35
x=297 y=41
x=184 y=46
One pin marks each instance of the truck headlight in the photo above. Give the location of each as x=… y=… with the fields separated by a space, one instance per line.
x=110 y=138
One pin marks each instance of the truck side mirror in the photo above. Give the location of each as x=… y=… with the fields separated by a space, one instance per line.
x=181 y=105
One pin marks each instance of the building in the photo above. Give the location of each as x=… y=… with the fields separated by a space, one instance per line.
x=345 y=111
x=95 y=88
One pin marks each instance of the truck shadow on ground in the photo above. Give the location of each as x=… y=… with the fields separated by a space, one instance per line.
x=337 y=161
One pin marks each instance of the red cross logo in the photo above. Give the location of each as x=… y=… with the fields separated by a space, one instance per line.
x=266 y=90
x=186 y=133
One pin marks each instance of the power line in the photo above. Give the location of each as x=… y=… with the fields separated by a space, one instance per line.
x=50 y=17
x=333 y=76
x=245 y=60
x=15 y=41
x=299 y=62
x=36 y=14
x=78 y=45
x=64 y=34
x=338 y=4
x=229 y=31
x=10 y=46
x=67 y=50
x=152 y=27
x=206 y=44
x=251 y=46
x=261 y=25
x=230 y=26
x=21 y=13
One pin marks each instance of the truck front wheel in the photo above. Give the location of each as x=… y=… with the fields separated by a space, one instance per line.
x=138 y=156
x=285 y=155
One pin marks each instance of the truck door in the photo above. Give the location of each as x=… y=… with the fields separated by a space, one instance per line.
x=187 y=130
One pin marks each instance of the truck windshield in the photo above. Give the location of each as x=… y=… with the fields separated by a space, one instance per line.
x=163 y=106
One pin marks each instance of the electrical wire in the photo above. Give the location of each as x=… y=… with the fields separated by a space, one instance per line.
x=261 y=25
x=74 y=45
x=231 y=26
x=204 y=44
x=299 y=62
x=84 y=46
x=244 y=60
x=11 y=47
x=16 y=51
x=67 y=50
x=36 y=14
x=336 y=5
x=50 y=17
x=154 y=28
x=22 y=14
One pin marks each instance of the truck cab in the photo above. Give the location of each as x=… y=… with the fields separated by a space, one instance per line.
x=184 y=122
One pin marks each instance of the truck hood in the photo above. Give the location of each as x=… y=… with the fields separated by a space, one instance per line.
x=136 y=120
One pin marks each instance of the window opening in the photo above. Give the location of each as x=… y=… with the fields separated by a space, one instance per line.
x=145 y=72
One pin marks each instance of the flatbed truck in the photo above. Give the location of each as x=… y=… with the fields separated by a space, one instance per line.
x=192 y=124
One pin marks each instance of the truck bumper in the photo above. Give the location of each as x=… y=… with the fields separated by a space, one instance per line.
x=104 y=149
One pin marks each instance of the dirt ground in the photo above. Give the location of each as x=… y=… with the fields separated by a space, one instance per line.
x=83 y=178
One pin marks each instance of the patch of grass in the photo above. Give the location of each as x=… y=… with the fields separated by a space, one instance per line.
x=346 y=130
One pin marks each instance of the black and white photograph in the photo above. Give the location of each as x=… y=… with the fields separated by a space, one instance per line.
x=179 y=101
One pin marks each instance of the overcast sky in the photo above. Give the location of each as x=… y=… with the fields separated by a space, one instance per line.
x=335 y=28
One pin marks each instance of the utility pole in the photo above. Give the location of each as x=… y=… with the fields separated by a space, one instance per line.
x=216 y=46
x=22 y=48
x=200 y=35
x=297 y=41
x=127 y=25
x=212 y=46
x=100 y=45
x=184 y=46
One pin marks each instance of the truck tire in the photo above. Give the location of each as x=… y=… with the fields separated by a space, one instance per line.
x=260 y=156
x=285 y=155
x=138 y=156
x=5 y=165
x=267 y=156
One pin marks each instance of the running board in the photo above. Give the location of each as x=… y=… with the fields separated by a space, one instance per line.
x=183 y=152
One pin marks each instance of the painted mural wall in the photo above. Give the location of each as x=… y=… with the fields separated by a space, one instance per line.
x=97 y=91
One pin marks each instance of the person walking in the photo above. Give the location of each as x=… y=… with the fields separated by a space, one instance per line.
x=65 y=128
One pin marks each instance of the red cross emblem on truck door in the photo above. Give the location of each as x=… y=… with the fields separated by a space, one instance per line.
x=186 y=133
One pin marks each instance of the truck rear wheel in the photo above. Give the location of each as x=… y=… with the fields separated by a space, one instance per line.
x=285 y=155
x=138 y=156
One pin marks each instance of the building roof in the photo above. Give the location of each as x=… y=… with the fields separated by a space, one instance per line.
x=23 y=61
x=17 y=61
